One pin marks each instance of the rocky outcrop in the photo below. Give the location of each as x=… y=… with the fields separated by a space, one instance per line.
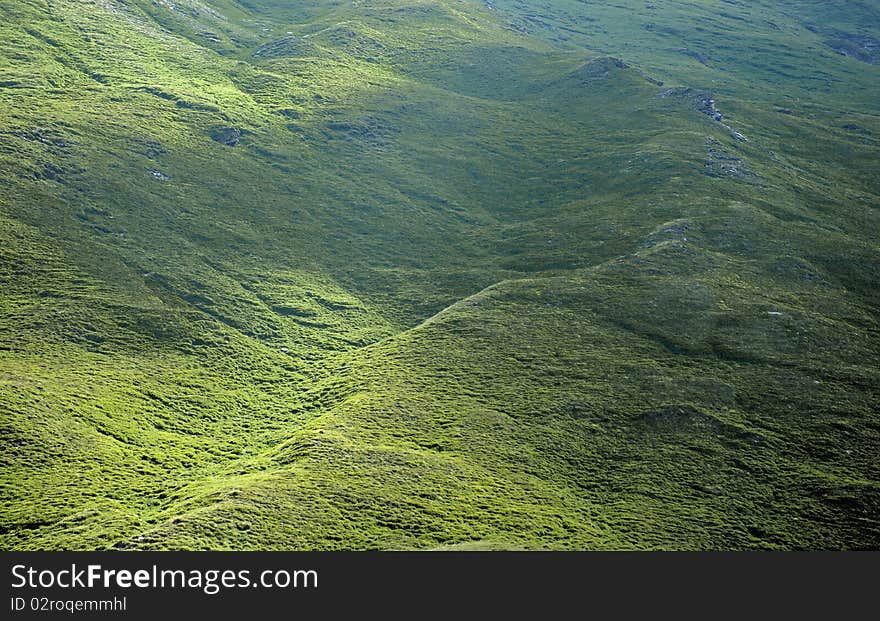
x=863 y=48
x=229 y=136
x=698 y=56
x=720 y=163
x=369 y=131
x=702 y=101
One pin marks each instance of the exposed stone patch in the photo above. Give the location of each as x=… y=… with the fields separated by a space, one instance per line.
x=370 y=131
x=702 y=101
x=863 y=48
x=229 y=136
x=719 y=163
x=698 y=56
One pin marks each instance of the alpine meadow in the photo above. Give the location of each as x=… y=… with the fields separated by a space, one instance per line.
x=439 y=274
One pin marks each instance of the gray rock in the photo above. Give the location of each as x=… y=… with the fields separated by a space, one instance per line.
x=698 y=56
x=720 y=164
x=863 y=48
x=703 y=101
x=229 y=136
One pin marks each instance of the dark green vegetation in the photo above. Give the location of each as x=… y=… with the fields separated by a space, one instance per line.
x=411 y=274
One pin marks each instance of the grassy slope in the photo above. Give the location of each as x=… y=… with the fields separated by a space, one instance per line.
x=212 y=346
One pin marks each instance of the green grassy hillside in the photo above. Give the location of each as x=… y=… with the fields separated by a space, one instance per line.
x=439 y=275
